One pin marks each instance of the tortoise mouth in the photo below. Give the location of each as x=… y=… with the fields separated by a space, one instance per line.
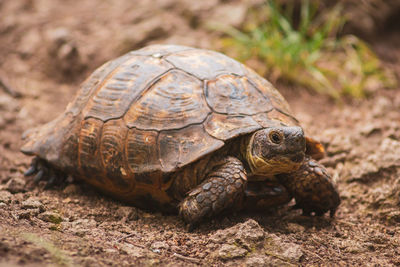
x=278 y=164
x=297 y=158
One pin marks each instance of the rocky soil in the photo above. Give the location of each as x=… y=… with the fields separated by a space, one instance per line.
x=47 y=47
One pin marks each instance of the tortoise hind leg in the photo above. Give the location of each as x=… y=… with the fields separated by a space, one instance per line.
x=44 y=172
x=222 y=189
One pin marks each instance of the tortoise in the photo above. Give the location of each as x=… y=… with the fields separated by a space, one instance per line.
x=182 y=129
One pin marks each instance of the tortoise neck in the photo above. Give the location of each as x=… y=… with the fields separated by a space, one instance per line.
x=245 y=152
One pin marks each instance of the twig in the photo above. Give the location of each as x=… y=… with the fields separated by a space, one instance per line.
x=176 y=255
x=130 y=242
x=136 y=244
x=179 y=256
x=313 y=253
x=124 y=237
x=347 y=223
x=7 y=88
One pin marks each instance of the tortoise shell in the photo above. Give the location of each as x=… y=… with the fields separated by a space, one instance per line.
x=153 y=111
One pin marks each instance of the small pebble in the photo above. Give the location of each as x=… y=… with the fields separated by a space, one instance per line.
x=49 y=216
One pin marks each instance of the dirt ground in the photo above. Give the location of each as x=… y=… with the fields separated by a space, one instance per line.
x=47 y=47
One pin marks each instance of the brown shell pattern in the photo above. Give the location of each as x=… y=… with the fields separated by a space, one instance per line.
x=157 y=109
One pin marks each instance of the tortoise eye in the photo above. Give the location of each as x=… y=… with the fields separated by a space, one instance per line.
x=275 y=137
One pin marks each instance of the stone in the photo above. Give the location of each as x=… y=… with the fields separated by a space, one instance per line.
x=255 y=261
x=51 y=217
x=248 y=234
x=241 y=240
x=7 y=103
x=127 y=214
x=276 y=247
x=263 y=260
x=30 y=42
x=16 y=185
x=27 y=214
x=227 y=251
x=369 y=129
x=354 y=247
x=295 y=228
x=149 y=29
x=393 y=217
x=385 y=157
x=31 y=203
x=132 y=250
x=160 y=245
x=72 y=189
x=337 y=143
x=80 y=227
x=63 y=52
x=5 y=197
x=230 y=14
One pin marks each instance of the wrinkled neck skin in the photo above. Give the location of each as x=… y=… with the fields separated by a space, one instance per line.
x=257 y=165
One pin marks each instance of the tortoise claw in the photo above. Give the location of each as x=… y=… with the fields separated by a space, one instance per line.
x=332 y=212
x=33 y=168
x=305 y=211
x=39 y=176
x=31 y=171
x=44 y=172
x=190 y=227
x=51 y=181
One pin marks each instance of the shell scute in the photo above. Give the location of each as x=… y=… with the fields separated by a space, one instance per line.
x=112 y=142
x=92 y=83
x=205 y=64
x=268 y=90
x=180 y=147
x=275 y=117
x=123 y=86
x=236 y=95
x=174 y=101
x=142 y=151
x=225 y=127
x=89 y=149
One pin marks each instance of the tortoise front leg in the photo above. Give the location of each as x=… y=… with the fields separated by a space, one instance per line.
x=312 y=188
x=223 y=187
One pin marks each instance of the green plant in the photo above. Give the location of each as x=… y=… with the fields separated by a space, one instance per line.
x=311 y=53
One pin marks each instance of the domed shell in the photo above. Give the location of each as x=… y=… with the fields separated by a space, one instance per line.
x=158 y=109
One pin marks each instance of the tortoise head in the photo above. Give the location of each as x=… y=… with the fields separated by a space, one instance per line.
x=276 y=150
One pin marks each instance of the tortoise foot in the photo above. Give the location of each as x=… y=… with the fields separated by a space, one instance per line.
x=312 y=188
x=43 y=172
x=223 y=187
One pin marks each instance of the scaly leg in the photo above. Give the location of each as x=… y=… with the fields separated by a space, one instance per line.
x=42 y=171
x=312 y=188
x=222 y=189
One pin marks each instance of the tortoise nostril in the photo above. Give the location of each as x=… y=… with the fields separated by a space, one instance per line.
x=299 y=140
x=296 y=142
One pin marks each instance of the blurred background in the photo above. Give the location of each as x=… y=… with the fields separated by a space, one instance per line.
x=334 y=47
x=336 y=62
